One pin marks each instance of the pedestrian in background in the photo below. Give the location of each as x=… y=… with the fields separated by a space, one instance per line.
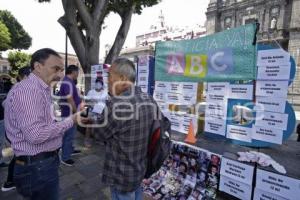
x=69 y=104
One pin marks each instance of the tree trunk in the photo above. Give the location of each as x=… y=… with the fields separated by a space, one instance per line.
x=121 y=36
x=86 y=46
x=92 y=58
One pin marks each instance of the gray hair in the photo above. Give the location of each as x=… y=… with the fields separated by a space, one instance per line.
x=125 y=67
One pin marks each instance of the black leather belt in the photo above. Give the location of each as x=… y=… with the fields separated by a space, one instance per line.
x=37 y=157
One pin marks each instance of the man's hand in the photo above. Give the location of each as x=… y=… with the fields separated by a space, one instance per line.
x=78 y=119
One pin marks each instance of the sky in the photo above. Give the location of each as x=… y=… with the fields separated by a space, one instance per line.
x=40 y=21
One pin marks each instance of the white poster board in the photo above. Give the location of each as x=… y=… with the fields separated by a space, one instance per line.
x=235 y=188
x=277 y=184
x=237 y=171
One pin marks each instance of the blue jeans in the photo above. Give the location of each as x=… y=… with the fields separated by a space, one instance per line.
x=67 y=144
x=38 y=180
x=118 y=195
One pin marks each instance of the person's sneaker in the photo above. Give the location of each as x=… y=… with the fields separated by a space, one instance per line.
x=69 y=162
x=7 y=186
x=76 y=152
x=3 y=164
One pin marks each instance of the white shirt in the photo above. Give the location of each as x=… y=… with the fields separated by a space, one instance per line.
x=96 y=96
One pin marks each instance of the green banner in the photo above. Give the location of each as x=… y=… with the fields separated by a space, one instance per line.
x=224 y=56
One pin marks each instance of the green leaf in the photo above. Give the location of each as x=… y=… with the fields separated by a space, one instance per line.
x=5 y=39
x=17 y=60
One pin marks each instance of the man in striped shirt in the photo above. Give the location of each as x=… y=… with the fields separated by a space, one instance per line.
x=30 y=126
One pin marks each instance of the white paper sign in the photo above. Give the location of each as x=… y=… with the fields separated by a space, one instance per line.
x=186 y=120
x=218 y=88
x=189 y=99
x=216 y=110
x=143 y=79
x=175 y=87
x=263 y=195
x=159 y=96
x=175 y=122
x=215 y=98
x=215 y=126
x=241 y=92
x=274 y=72
x=144 y=88
x=235 y=188
x=267 y=134
x=163 y=106
x=270 y=104
x=237 y=170
x=98 y=108
x=272 y=56
x=96 y=72
x=174 y=98
x=190 y=88
x=161 y=86
x=239 y=133
x=272 y=88
x=143 y=70
x=271 y=120
x=277 y=184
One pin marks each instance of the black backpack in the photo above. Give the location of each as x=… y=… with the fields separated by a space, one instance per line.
x=159 y=146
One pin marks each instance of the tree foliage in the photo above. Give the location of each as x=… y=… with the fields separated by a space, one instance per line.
x=17 y=60
x=19 y=37
x=4 y=37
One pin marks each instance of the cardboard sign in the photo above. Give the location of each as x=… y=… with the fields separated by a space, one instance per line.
x=277 y=184
x=237 y=171
x=235 y=188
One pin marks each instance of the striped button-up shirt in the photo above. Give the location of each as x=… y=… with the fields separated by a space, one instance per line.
x=29 y=122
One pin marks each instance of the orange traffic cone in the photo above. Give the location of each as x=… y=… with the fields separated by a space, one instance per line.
x=190 y=138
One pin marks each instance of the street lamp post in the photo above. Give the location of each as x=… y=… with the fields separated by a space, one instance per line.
x=66 y=52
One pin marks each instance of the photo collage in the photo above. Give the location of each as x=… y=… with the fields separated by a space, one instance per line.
x=189 y=173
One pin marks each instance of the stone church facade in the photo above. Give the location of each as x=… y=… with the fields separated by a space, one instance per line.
x=279 y=25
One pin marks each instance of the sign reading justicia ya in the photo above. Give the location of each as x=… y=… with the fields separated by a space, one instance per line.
x=228 y=55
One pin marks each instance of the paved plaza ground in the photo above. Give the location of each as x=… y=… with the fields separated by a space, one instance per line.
x=82 y=181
